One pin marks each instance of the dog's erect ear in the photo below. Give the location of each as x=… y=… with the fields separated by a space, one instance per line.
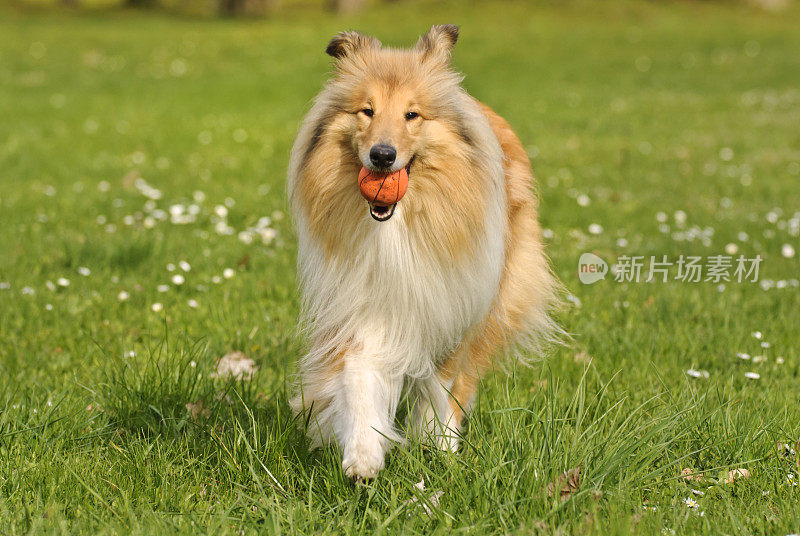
x=346 y=43
x=438 y=42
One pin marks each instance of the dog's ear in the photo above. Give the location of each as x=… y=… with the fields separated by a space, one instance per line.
x=438 y=43
x=346 y=43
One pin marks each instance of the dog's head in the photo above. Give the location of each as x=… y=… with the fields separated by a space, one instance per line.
x=394 y=106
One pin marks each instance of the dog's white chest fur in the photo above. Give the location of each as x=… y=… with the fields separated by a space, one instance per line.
x=410 y=309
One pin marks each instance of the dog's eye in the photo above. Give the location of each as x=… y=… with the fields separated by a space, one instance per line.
x=368 y=112
x=411 y=115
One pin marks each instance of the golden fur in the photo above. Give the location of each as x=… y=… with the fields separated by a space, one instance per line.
x=461 y=265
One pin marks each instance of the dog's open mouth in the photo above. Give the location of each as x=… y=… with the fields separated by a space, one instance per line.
x=382 y=210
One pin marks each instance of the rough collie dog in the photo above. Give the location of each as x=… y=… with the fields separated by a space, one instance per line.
x=423 y=293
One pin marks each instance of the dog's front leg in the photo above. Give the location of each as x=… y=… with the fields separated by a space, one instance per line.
x=367 y=404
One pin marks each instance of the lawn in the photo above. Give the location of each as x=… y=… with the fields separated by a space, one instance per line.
x=145 y=234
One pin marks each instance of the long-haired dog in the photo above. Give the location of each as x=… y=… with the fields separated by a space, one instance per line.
x=423 y=291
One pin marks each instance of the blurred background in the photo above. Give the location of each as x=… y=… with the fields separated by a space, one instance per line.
x=264 y=8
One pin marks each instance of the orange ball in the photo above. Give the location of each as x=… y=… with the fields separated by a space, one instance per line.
x=383 y=188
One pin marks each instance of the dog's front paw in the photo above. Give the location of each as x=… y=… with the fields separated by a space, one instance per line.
x=363 y=463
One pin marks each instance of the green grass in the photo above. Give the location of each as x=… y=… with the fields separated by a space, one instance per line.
x=642 y=107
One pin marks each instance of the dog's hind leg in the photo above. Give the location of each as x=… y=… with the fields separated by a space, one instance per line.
x=432 y=416
x=519 y=321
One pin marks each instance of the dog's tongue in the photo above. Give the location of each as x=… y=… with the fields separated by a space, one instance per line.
x=383 y=188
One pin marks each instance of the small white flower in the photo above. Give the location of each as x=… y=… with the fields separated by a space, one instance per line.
x=178 y=279
x=787 y=251
x=235 y=365
x=123 y=295
x=49 y=306
x=130 y=353
x=731 y=249
x=661 y=217
x=157 y=307
x=740 y=355
x=691 y=503
x=185 y=266
x=752 y=375
x=779 y=360
x=240 y=135
x=193 y=304
x=221 y=211
x=28 y=291
x=63 y=282
x=216 y=279
x=269 y=234
x=163 y=288
x=5 y=285
x=765 y=344
x=170 y=267
x=697 y=373
x=84 y=271
x=583 y=200
x=50 y=285
x=223 y=228
x=228 y=273
x=757 y=334
x=759 y=358
x=595 y=229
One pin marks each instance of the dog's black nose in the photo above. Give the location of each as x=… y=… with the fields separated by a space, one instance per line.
x=382 y=155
